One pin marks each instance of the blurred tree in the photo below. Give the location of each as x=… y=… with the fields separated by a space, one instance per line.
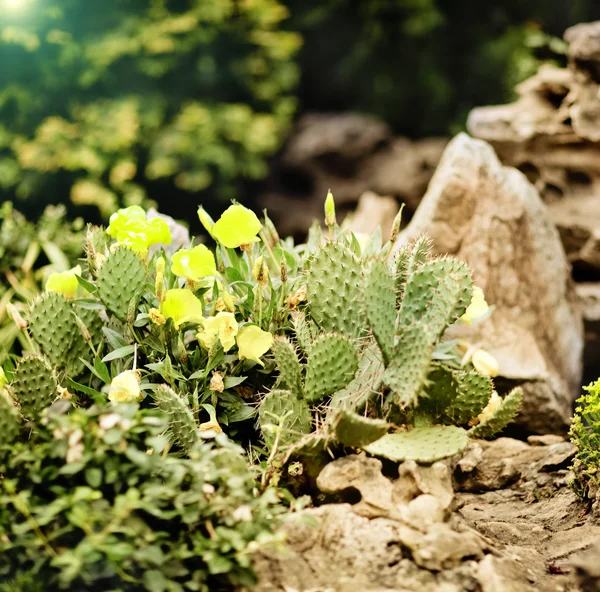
x=421 y=65
x=115 y=99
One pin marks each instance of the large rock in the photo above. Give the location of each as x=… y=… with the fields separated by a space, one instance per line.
x=491 y=217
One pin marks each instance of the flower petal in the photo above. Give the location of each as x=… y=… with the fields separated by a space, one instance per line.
x=181 y=305
x=194 y=264
x=64 y=282
x=236 y=226
x=253 y=343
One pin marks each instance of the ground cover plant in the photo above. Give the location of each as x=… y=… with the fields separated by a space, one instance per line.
x=144 y=363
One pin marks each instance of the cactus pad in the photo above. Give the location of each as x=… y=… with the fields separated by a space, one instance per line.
x=281 y=408
x=436 y=294
x=289 y=366
x=54 y=328
x=335 y=290
x=473 y=393
x=407 y=373
x=182 y=427
x=380 y=306
x=332 y=363
x=424 y=445
x=505 y=413
x=351 y=429
x=34 y=385
x=366 y=381
x=303 y=330
x=440 y=392
x=121 y=279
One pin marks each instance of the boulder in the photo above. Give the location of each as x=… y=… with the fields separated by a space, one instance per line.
x=492 y=217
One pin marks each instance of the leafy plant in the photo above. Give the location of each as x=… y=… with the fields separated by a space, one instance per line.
x=90 y=501
x=585 y=434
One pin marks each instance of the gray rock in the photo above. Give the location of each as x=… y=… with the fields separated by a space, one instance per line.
x=491 y=217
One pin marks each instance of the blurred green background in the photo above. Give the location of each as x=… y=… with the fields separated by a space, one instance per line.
x=180 y=102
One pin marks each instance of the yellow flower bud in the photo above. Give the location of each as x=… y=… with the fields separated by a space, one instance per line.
x=125 y=387
x=485 y=363
x=477 y=308
x=3 y=379
x=206 y=220
x=330 y=219
x=396 y=225
x=491 y=408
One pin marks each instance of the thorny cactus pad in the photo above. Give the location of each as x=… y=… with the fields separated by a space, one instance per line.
x=34 y=386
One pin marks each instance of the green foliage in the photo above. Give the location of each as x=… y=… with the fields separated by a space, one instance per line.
x=10 y=422
x=585 y=434
x=499 y=417
x=107 y=99
x=91 y=502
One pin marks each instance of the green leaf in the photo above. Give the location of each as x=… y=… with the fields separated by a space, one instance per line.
x=93 y=476
x=116 y=341
x=91 y=288
x=98 y=397
x=119 y=353
x=231 y=381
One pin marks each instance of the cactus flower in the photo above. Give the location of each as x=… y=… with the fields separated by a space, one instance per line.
x=131 y=228
x=193 y=264
x=224 y=326
x=485 y=363
x=237 y=226
x=64 y=282
x=477 y=308
x=181 y=305
x=253 y=343
x=125 y=387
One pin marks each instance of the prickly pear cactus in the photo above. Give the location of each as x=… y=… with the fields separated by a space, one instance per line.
x=54 y=328
x=10 y=420
x=424 y=445
x=332 y=363
x=380 y=306
x=351 y=429
x=34 y=385
x=303 y=330
x=182 y=427
x=501 y=417
x=290 y=369
x=121 y=280
x=281 y=411
x=473 y=391
x=335 y=291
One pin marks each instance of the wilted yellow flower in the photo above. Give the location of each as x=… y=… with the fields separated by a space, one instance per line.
x=478 y=307
x=224 y=326
x=194 y=264
x=64 y=282
x=485 y=363
x=253 y=343
x=237 y=226
x=216 y=383
x=125 y=387
x=295 y=299
x=181 y=305
x=225 y=302
x=491 y=408
x=157 y=317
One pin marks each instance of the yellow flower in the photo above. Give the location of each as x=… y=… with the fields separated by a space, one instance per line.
x=125 y=387
x=206 y=220
x=477 y=309
x=122 y=218
x=216 y=383
x=64 y=282
x=253 y=343
x=194 y=264
x=237 y=226
x=224 y=326
x=225 y=302
x=181 y=305
x=158 y=232
x=485 y=363
x=491 y=408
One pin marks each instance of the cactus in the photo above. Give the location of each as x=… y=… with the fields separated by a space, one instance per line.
x=380 y=306
x=335 y=291
x=473 y=393
x=332 y=363
x=289 y=366
x=303 y=330
x=366 y=381
x=121 y=280
x=283 y=409
x=34 y=385
x=407 y=373
x=424 y=445
x=501 y=417
x=351 y=429
x=182 y=427
x=89 y=328
x=54 y=328
x=436 y=295
x=10 y=421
